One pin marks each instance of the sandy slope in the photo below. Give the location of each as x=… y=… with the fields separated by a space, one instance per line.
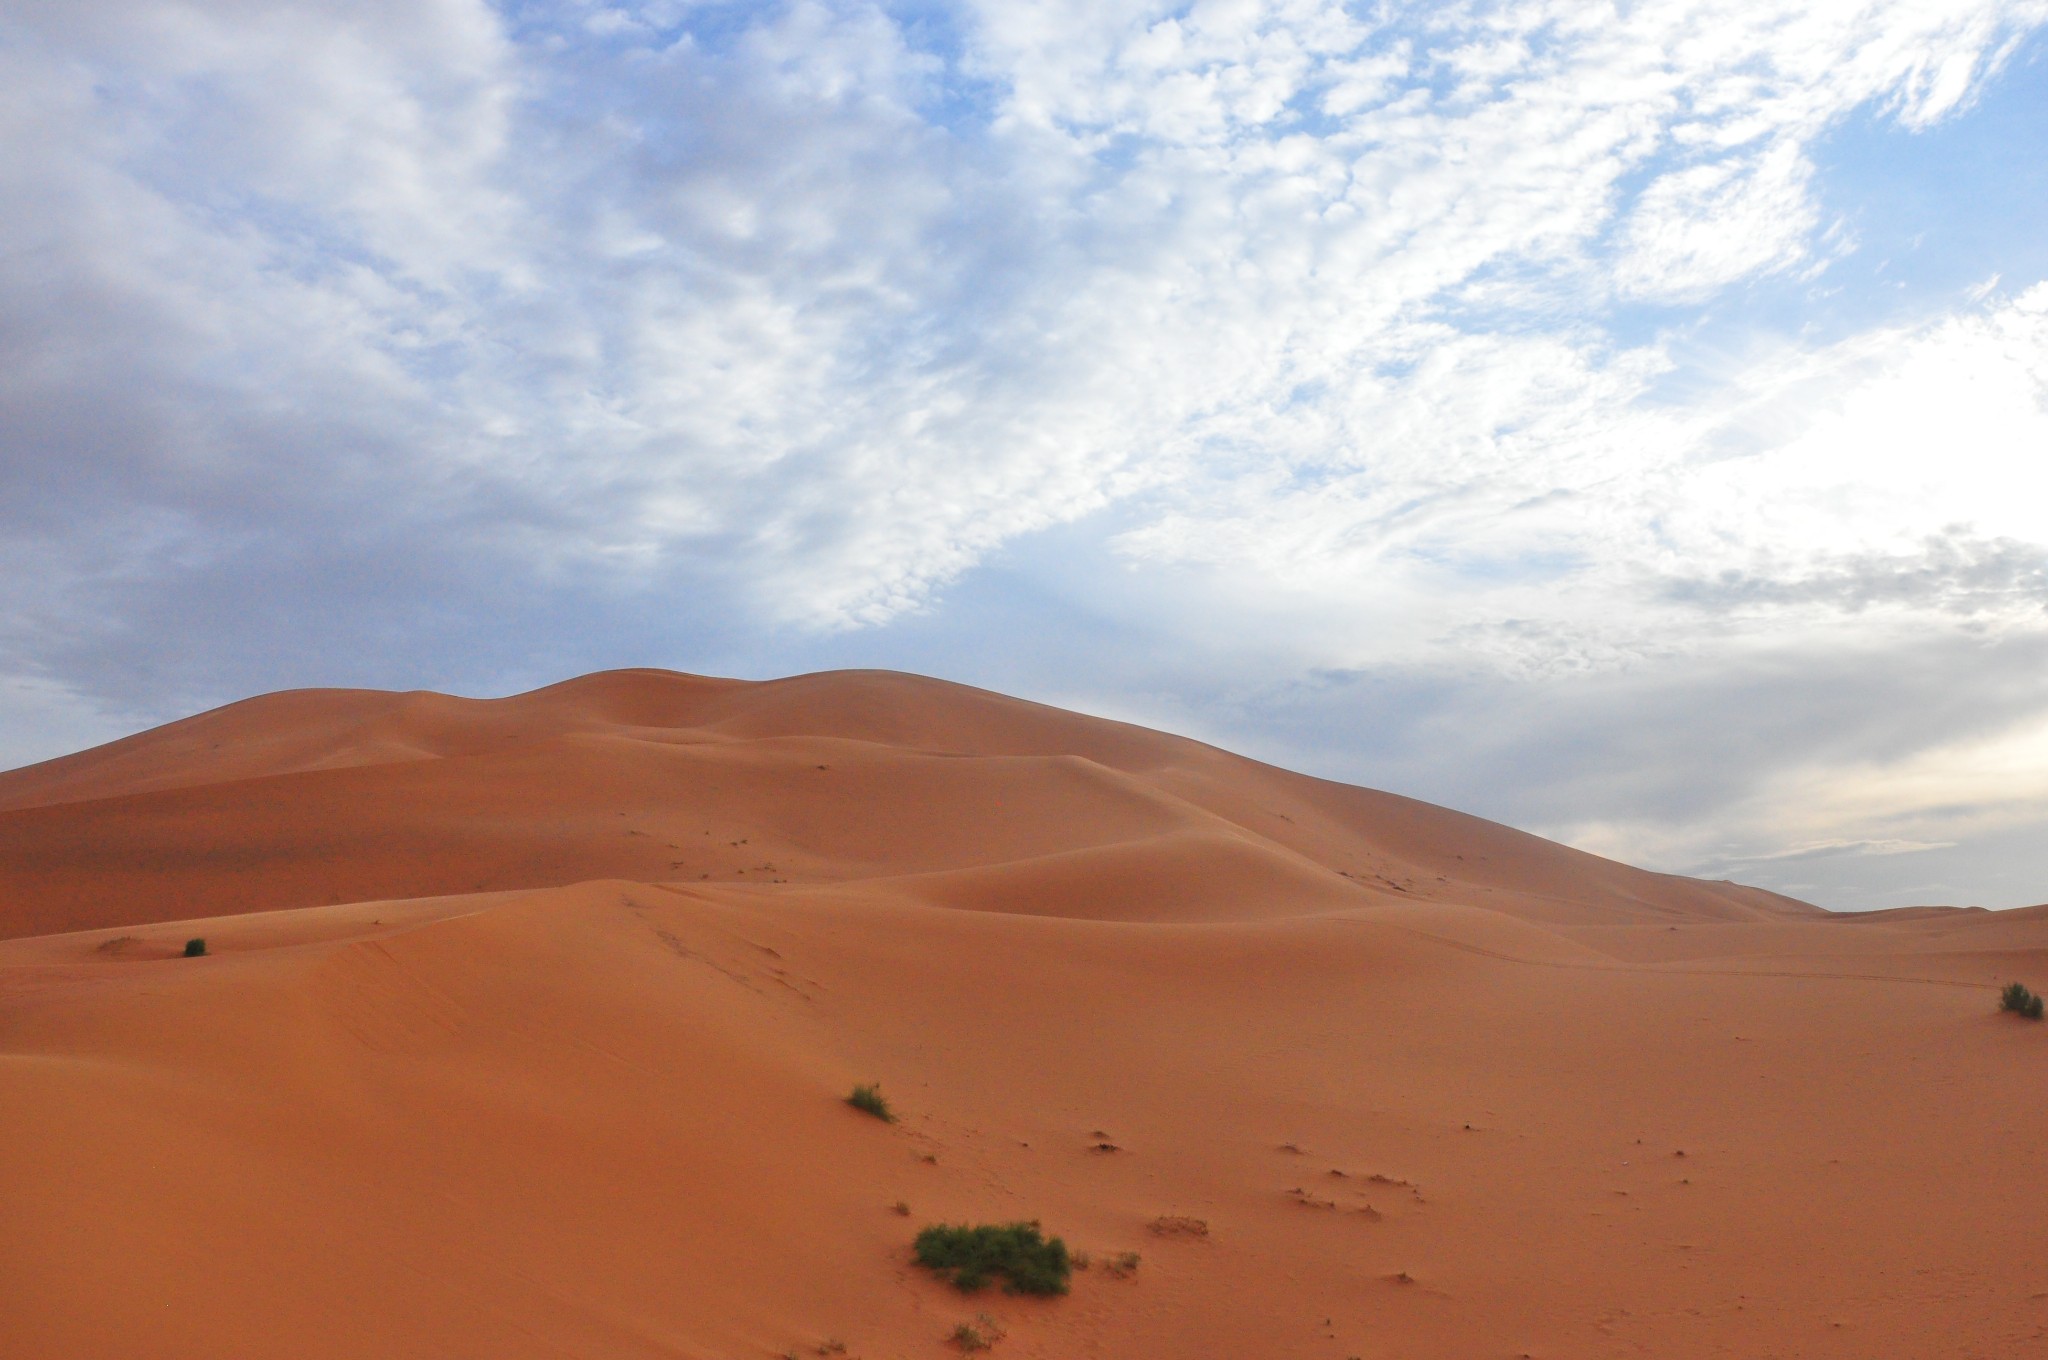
x=320 y=797
x=526 y=1021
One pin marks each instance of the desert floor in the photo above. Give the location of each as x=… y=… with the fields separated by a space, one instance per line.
x=525 y=1027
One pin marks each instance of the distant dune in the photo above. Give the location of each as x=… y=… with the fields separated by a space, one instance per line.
x=324 y=796
x=524 y=1026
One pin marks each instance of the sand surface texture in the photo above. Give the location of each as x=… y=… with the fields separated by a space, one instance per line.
x=526 y=1024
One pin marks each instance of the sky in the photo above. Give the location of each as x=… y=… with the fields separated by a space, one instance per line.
x=1625 y=421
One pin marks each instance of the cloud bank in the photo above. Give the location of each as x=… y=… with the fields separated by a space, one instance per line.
x=1419 y=351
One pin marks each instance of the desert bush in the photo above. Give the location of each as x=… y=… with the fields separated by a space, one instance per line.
x=869 y=1099
x=971 y=1257
x=978 y=1335
x=194 y=948
x=2017 y=999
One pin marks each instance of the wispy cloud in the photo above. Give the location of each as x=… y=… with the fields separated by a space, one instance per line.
x=1953 y=573
x=1820 y=848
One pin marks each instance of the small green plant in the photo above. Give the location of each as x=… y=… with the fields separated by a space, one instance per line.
x=195 y=948
x=978 y=1335
x=1030 y=1263
x=1123 y=1265
x=869 y=1099
x=2017 y=999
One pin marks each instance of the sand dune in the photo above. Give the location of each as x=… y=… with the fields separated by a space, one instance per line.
x=321 y=797
x=525 y=1022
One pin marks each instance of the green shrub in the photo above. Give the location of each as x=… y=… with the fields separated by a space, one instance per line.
x=973 y=1256
x=194 y=948
x=2017 y=999
x=869 y=1099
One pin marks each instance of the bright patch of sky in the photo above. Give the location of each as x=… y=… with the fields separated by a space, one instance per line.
x=1629 y=421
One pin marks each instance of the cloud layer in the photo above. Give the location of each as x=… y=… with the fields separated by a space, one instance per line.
x=448 y=342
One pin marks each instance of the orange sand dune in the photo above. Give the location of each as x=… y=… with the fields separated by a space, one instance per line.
x=525 y=1024
x=320 y=797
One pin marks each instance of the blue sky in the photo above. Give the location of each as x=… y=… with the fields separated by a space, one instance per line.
x=1627 y=421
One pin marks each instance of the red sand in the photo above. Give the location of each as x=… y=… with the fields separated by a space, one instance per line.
x=1426 y=1080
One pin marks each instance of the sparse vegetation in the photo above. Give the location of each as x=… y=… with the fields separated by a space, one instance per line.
x=2017 y=999
x=869 y=1100
x=195 y=948
x=1176 y=1225
x=972 y=1256
x=1123 y=1265
x=978 y=1335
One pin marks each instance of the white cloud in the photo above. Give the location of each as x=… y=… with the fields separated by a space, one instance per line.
x=1707 y=226
x=1895 y=435
x=769 y=294
x=1527 y=502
